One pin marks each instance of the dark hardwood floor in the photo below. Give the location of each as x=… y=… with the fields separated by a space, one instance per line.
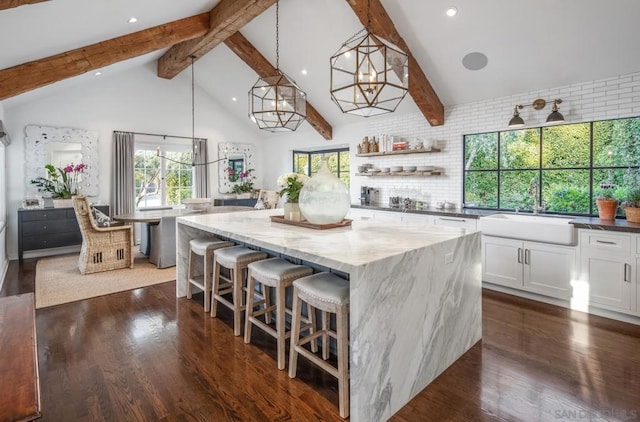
x=146 y=355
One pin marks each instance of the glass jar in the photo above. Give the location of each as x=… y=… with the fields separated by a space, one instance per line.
x=324 y=199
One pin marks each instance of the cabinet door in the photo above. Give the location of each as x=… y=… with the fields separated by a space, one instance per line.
x=465 y=223
x=610 y=279
x=502 y=261
x=360 y=214
x=416 y=219
x=548 y=270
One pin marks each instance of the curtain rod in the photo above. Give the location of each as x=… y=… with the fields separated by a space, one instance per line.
x=163 y=136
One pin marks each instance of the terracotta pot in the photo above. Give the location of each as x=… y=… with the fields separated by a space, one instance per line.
x=633 y=214
x=607 y=208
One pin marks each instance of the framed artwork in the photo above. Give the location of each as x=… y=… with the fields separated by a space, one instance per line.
x=32 y=202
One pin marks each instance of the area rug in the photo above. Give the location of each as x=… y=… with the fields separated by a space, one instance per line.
x=58 y=279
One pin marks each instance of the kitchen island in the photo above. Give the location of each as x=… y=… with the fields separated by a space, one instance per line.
x=415 y=294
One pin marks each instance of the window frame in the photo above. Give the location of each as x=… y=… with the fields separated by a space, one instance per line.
x=539 y=170
x=321 y=152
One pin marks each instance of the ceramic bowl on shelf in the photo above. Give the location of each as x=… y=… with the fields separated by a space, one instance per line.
x=409 y=169
x=395 y=169
x=373 y=171
x=425 y=168
x=384 y=169
x=362 y=169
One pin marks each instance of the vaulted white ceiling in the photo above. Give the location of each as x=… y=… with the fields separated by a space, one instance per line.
x=530 y=44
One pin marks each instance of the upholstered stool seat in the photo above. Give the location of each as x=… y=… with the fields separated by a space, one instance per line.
x=203 y=247
x=236 y=260
x=330 y=294
x=271 y=273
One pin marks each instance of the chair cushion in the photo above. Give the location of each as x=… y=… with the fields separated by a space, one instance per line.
x=237 y=255
x=200 y=246
x=271 y=271
x=101 y=219
x=326 y=287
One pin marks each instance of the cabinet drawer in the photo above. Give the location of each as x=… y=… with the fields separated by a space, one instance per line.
x=465 y=223
x=44 y=227
x=48 y=214
x=618 y=244
x=51 y=241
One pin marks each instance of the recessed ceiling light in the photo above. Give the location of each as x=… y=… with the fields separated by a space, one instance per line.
x=452 y=11
x=133 y=19
x=303 y=71
x=475 y=61
x=234 y=99
x=98 y=73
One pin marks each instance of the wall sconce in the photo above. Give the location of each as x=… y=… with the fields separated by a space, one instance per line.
x=538 y=104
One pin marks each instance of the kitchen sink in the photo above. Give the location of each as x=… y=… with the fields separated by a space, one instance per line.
x=530 y=227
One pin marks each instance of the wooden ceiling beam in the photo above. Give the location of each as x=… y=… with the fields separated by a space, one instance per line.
x=252 y=57
x=27 y=76
x=420 y=88
x=227 y=18
x=9 y=4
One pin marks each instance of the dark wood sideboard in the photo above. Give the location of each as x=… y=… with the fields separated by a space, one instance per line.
x=248 y=202
x=45 y=228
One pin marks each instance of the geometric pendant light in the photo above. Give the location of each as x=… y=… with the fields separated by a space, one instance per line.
x=276 y=103
x=369 y=75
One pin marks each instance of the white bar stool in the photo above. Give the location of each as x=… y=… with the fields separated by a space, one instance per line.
x=279 y=274
x=236 y=260
x=203 y=247
x=328 y=293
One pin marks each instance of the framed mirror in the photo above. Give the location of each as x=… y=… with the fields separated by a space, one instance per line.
x=60 y=147
x=239 y=157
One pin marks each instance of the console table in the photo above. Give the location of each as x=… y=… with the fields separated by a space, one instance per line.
x=46 y=228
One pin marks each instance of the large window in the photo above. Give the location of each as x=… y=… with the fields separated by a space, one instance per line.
x=162 y=182
x=569 y=162
x=308 y=162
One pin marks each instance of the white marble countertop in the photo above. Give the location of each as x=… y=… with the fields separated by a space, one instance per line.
x=364 y=242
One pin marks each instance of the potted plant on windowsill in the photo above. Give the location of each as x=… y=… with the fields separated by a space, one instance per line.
x=631 y=203
x=607 y=204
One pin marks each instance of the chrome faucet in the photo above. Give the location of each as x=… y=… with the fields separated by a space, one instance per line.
x=534 y=191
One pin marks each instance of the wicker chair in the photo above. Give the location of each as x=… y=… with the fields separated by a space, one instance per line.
x=103 y=248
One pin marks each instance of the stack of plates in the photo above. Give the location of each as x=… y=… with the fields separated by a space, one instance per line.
x=373 y=171
x=409 y=169
x=384 y=169
x=396 y=169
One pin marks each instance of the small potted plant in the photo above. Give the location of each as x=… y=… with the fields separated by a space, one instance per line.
x=631 y=203
x=607 y=204
x=291 y=184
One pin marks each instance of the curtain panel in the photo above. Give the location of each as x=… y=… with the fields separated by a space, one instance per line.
x=122 y=173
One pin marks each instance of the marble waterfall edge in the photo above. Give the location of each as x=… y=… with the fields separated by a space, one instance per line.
x=392 y=307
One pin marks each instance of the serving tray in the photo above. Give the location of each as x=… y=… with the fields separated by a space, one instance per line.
x=280 y=219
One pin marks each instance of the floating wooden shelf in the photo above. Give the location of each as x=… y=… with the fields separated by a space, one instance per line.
x=402 y=173
x=400 y=152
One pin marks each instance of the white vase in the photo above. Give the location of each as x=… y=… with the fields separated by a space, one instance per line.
x=324 y=199
x=292 y=211
x=62 y=203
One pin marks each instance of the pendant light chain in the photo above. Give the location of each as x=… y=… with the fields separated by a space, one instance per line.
x=193 y=104
x=278 y=35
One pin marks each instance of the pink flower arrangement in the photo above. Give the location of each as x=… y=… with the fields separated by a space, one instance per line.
x=61 y=182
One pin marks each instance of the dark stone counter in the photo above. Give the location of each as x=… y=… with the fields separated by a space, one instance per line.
x=461 y=213
x=617 y=225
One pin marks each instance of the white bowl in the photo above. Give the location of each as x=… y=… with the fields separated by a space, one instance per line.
x=409 y=169
x=396 y=169
x=196 y=204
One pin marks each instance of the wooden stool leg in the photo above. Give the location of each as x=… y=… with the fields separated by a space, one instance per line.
x=280 y=327
x=326 y=342
x=207 y=281
x=237 y=300
x=216 y=288
x=343 y=360
x=266 y=292
x=295 y=333
x=190 y=274
x=311 y=311
x=251 y=282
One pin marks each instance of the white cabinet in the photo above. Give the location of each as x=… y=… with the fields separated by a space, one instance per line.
x=531 y=266
x=416 y=218
x=609 y=266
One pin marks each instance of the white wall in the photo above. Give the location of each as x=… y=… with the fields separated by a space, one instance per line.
x=135 y=100
x=596 y=100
